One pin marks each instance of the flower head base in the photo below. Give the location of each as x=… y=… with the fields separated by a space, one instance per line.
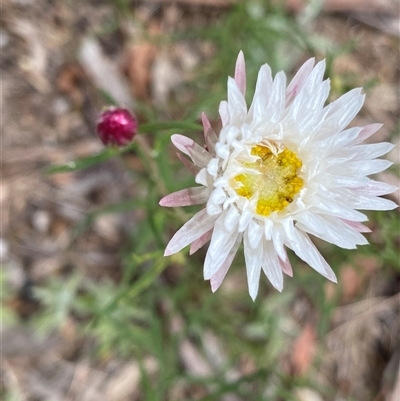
x=272 y=179
x=116 y=126
x=279 y=170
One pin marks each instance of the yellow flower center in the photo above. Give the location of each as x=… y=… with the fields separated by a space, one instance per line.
x=275 y=180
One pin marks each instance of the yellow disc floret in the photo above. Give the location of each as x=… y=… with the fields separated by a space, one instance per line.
x=275 y=180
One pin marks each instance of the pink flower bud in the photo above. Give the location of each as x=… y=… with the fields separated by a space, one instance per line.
x=116 y=126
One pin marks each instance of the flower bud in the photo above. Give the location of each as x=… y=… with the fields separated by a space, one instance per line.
x=116 y=126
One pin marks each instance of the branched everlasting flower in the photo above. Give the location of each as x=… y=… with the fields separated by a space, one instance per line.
x=279 y=170
x=116 y=126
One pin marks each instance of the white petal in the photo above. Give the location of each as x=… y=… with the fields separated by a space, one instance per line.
x=218 y=195
x=224 y=112
x=312 y=107
x=236 y=103
x=222 y=241
x=343 y=110
x=218 y=277
x=213 y=209
x=257 y=111
x=278 y=237
x=306 y=94
x=212 y=167
x=337 y=209
x=301 y=244
x=332 y=181
x=253 y=258
x=361 y=168
x=201 y=177
x=366 y=202
x=268 y=229
x=364 y=152
x=271 y=265
x=277 y=100
x=222 y=150
x=245 y=219
x=337 y=141
x=232 y=218
x=330 y=229
x=199 y=224
x=254 y=234
x=375 y=188
x=316 y=76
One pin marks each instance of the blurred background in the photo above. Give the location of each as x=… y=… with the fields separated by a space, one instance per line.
x=91 y=310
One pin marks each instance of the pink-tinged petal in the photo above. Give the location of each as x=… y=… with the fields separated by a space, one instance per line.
x=299 y=80
x=199 y=224
x=286 y=266
x=366 y=132
x=361 y=228
x=240 y=73
x=218 y=277
x=199 y=155
x=200 y=242
x=206 y=122
x=185 y=197
x=183 y=143
x=210 y=136
x=188 y=164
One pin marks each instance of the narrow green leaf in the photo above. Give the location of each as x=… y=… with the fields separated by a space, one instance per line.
x=83 y=163
x=170 y=125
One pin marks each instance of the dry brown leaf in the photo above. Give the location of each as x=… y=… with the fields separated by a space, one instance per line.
x=330 y=290
x=68 y=81
x=104 y=72
x=304 y=350
x=138 y=65
x=369 y=264
x=351 y=282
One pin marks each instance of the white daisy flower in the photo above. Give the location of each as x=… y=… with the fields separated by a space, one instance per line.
x=282 y=169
